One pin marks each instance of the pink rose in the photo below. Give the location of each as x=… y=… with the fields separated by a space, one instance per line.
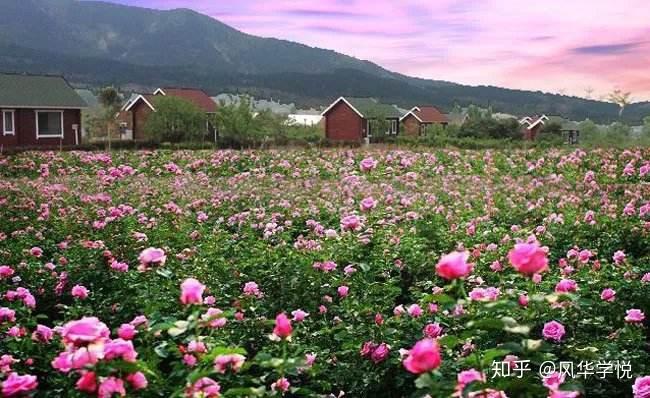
x=5 y=271
x=454 y=265
x=87 y=382
x=137 y=380
x=43 y=334
x=423 y=357
x=282 y=327
x=619 y=257
x=351 y=223
x=528 y=258
x=380 y=353
x=432 y=330
x=414 y=310
x=554 y=381
x=368 y=204
x=553 y=331
x=111 y=386
x=282 y=385
x=252 y=289
x=36 y=251
x=641 y=387
x=368 y=164
x=85 y=330
x=192 y=291
x=232 y=361
x=120 y=348
x=634 y=316
x=523 y=300
x=80 y=292
x=468 y=376
x=608 y=295
x=16 y=385
x=566 y=286
x=343 y=291
x=299 y=315
x=152 y=255
x=127 y=331
x=204 y=387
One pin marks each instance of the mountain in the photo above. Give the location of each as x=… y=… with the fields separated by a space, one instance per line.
x=97 y=43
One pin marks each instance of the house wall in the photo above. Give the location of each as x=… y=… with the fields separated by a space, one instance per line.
x=140 y=114
x=25 y=130
x=531 y=134
x=411 y=126
x=342 y=123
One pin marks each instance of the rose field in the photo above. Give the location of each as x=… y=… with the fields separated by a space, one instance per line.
x=356 y=273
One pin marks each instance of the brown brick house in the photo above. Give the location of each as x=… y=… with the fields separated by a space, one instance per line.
x=416 y=121
x=135 y=112
x=355 y=119
x=38 y=111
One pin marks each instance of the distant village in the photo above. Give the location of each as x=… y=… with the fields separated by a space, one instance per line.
x=47 y=111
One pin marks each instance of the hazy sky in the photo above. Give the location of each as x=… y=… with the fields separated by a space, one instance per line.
x=568 y=46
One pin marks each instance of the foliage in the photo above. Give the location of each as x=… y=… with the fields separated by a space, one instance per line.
x=646 y=126
x=101 y=122
x=176 y=120
x=351 y=237
x=481 y=124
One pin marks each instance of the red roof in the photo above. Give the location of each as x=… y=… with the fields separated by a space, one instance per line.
x=193 y=95
x=429 y=114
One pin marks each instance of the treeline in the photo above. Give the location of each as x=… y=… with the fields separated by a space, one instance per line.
x=237 y=125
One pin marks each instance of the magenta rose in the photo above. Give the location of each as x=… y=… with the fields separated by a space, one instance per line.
x=423 y=357
x=553 y=331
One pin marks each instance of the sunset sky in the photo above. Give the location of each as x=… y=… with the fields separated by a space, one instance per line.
x=567 y=46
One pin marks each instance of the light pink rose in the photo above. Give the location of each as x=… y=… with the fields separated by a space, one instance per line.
x=192 y=291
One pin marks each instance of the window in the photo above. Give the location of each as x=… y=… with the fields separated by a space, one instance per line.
x=8 y=121
x=49 y=124
x=393 y=127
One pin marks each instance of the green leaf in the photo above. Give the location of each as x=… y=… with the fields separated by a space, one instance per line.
x=449 y=341
x=424 y=381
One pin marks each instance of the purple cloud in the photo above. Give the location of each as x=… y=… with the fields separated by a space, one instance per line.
x=609 y=49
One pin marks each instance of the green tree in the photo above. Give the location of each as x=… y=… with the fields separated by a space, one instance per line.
x=176 y=120
x=110 y=100
x=552 y=128
x=481 y=124
x=588 y=128
x=236 y=122
x=618 y=130
x=646 y=126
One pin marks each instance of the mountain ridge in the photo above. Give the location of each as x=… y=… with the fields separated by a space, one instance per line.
x=96 y=43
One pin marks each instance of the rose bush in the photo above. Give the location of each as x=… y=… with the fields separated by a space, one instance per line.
x=383 y=273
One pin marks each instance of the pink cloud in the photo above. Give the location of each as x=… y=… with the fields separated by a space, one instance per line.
x=555 y=45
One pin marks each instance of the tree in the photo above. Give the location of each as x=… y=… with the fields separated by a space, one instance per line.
x=646 y=126
x=481 y=124
x=589 y=130
x=552 y=128
x=176 y=120
x=618 y=130
x=110 y=100
x=620 y=98
x=236 y=121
